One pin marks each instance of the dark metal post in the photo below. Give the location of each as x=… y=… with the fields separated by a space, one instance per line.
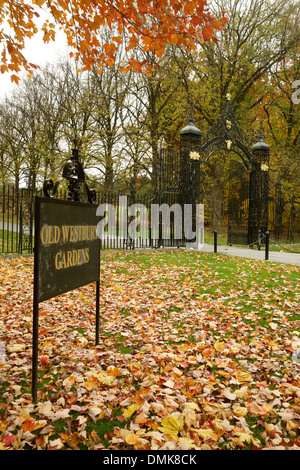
x=35 y=325
x=215 y=241
x=97 y=311
x=267 y=245
x=98 y=302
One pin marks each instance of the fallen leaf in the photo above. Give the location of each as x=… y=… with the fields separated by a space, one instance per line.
x=132 y=439
x=129 y=412
x=31 y=425
x=219 y=345
x=228 y=394
x=204 y=433
x=171 y=425
x=243 y=376
x=257 y=410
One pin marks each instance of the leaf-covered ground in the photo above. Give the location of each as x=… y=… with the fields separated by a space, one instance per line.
x=197 y=351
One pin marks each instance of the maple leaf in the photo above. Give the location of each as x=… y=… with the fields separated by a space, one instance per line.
x=258 y=410
x=132 y=439
x=130 y=411
x=228 y=394
x=219 y=345
x=204 y=433
x=9 y=439
x=31 y=425
x=243 y=376
x=72 y=441
x=171 y=425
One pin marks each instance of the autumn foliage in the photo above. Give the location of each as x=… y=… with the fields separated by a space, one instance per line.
x=149 y=25
x=196 y=352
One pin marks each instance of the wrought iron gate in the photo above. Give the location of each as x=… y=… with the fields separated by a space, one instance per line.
x=238 y=203
x=248 y=199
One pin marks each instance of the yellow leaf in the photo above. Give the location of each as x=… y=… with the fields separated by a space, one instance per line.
x=290 y=425
x=3 y=427
x=243 y=376
x=104 y=378
x=132 y=439
x=129 y=412
x=90 y=383
x=204 y=433
x=171 y=425
x=74 y=440
x=114 y=371
x=185 y=443
x=219 y=345
x=244 y=437
x=193 y=406
x=239 y=411
x=237 y=442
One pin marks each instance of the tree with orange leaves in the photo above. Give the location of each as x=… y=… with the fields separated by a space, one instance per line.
x=151 y=25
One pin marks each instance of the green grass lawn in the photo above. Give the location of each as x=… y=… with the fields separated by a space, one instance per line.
x=8 y=241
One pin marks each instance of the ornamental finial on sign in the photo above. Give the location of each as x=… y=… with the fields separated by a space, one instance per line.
x=72 y=172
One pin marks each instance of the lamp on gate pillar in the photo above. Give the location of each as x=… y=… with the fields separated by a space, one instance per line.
x=190 y=143
x=259 y=187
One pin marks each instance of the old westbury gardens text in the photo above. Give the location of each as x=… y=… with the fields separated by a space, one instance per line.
x=53 y=234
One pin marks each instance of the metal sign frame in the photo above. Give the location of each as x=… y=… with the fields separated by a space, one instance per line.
x=66 y=257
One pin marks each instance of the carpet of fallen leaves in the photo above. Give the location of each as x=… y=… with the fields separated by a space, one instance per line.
x=196 y=351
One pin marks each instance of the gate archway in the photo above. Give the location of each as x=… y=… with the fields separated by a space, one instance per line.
x=248 y=173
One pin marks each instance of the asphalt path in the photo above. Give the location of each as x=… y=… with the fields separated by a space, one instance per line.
x=253 y=253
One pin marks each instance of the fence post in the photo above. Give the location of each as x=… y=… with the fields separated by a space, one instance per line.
x=267 y=245
x=259 y=240
x=215 y=241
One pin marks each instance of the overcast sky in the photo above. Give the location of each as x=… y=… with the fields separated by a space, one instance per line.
x=39 y=53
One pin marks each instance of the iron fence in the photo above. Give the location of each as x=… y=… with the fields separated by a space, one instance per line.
x=17 y=221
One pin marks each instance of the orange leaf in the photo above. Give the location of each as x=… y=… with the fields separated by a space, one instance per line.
x=132 y=439
x=256 y=409
x=31 y=425
x=15 y=79
x=141 y=419
x=90 y=383
x=118 y=39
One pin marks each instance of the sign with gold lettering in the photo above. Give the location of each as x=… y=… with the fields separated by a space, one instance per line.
x=67 y=248
x=66 y=256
